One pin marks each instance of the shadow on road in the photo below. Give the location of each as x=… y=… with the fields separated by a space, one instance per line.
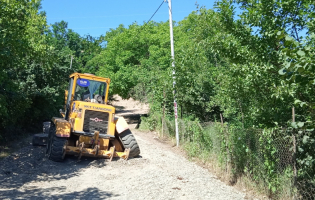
x=30 y=164
x=54 y=193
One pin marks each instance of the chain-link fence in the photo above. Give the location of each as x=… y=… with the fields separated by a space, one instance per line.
x=278 y=161
x=305 y=164
x=269 y=161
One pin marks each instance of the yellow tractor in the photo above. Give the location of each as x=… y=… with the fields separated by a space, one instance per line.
x=89 y=126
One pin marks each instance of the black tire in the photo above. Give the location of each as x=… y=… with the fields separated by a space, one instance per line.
x=52 y=131
x=56 y=148
x=129 y=141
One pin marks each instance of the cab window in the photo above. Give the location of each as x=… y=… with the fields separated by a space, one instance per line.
x=90 y=91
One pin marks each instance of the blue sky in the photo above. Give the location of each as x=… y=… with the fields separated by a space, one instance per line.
x=96 y=17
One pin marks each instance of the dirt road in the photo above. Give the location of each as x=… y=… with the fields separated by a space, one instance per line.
x=161 y=172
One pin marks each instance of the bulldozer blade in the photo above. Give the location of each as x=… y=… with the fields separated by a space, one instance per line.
x=112 y=149
x=124 y=155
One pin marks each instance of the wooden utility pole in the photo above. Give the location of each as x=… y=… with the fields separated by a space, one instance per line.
x=221 y=119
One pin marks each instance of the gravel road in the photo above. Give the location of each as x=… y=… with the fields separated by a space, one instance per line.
x=161 y=172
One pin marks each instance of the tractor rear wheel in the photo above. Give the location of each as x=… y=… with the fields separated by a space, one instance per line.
x=56 y=149
x=129 y=141
x=51 y=132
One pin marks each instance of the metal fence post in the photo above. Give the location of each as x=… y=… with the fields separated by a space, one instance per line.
x=294 y=152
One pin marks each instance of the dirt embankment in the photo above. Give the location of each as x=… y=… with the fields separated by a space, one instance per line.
x=161 y=172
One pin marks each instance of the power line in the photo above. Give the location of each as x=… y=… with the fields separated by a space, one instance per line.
x=110 y=16
x=96 y=27
x=104 y=16
x=155 y=11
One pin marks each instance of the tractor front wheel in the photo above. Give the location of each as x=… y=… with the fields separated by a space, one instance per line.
x=130 y=142
x=56 y=150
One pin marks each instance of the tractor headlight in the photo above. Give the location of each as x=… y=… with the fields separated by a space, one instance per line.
x=113 y=118
x=79 y=115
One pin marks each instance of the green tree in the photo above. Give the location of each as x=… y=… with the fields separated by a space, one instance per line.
x=22 y=45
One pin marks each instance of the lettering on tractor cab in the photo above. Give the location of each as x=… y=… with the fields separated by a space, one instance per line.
x=97 y=108
x=96 y=119
x=83 y=82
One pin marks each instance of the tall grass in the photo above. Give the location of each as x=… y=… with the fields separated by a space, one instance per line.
x=254 y=158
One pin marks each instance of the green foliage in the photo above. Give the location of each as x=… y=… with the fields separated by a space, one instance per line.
x=134 y=56
x=137 y=59
x=35 y=65
x=253 y=68
x=151 y=123
x=22 y=45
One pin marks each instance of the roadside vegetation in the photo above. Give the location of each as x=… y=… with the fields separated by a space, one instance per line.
x=35 y=64
x=249 y=69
